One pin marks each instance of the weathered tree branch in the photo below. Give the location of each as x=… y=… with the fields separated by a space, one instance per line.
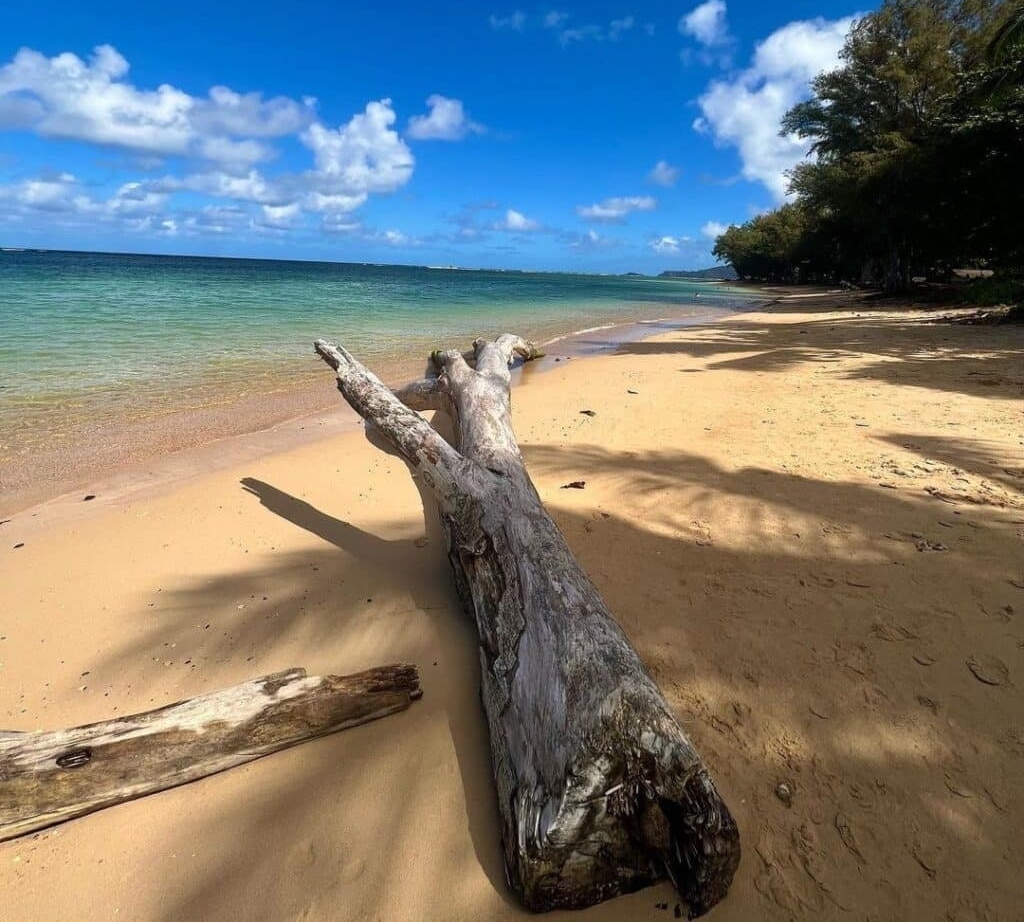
x=425 y=394
x=599 y=788
x=50 y=777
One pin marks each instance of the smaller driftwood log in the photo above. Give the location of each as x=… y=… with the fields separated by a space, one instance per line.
x=51 y=776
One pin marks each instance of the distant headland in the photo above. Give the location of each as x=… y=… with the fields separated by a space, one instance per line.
x=726 y=273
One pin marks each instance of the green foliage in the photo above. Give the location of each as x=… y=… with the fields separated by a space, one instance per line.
x=895 y=64
x=995 y=292
x=918 y=138
x=979 y=143
x=766 y=247
x=1008 y=39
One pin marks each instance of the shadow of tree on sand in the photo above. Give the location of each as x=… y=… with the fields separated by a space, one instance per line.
x=986 y=459
x=779 y=640
x=985 y=361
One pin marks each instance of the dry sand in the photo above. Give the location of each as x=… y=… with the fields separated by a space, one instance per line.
x=810 y=523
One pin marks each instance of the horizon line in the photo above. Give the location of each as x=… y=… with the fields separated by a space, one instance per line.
x=333 y=262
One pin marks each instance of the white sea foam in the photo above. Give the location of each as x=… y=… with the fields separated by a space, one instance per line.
x=606 y=326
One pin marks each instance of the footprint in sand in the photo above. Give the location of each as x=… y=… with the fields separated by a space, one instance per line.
x=928 y=855
x=989 y=669
x=890 y=631
x=351 y=870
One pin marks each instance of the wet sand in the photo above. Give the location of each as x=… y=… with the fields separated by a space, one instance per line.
x=223 y=423
x=809 y=521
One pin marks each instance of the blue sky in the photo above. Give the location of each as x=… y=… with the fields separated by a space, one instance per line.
x=602 y=137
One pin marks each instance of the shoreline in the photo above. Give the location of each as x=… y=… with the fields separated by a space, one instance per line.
x=179 y=352
x=214 y=437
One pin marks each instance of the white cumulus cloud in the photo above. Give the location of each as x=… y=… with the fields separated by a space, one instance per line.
x=339 y=224
x=49 y=193
x=332 y=203
x=248 y=114
x=516 y=221
x=663 y=174
x=67 y=201
x=665 y=244
x=281 y=215
x=217 y=219
x=250 y=187
x=614 y=210
x=363 y=155
x=234 y=155
x=707 y=23
x=135 y=198
x=360 y=158
x=93 y=102
x=714 y=229
x=446 y=121
x=88 y=101
x=682 y=248
x=744 y=112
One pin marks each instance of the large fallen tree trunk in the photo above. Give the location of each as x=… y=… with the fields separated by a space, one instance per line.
x=50 y=777
x=599 y=788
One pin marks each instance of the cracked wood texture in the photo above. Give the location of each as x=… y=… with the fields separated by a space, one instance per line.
x=599 y=788
x=49 y=777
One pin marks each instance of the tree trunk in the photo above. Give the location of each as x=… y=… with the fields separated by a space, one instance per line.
x=599 y=788
x=50 y=777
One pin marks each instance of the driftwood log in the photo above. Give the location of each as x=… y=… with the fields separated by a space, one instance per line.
x=600 y=791
x=50 y=777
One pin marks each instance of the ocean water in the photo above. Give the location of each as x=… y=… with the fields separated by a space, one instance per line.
x=91 y=340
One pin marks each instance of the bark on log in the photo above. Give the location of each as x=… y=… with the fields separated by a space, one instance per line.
x=600 y=790
x=50 y=777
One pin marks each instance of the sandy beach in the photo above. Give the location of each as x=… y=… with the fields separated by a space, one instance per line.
x=808 y=520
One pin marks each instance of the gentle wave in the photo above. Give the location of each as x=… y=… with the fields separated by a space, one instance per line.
x=570 y=334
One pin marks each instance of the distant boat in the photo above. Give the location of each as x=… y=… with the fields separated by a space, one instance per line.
x=12 y=249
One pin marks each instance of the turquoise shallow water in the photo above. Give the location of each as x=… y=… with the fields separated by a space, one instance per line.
x=89 y=338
